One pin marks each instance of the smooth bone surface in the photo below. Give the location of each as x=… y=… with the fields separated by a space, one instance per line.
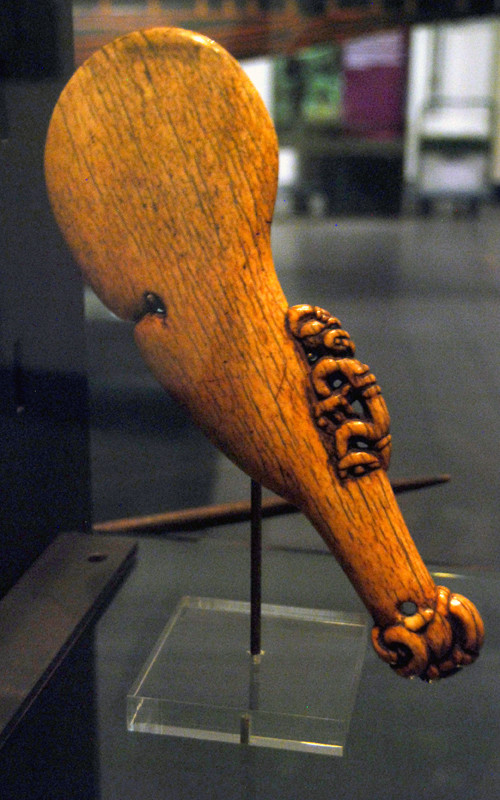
x=161 y=167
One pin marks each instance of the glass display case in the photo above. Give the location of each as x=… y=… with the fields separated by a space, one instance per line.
x=422 y=298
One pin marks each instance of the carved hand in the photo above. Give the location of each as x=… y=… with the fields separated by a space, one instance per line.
x=161 y=167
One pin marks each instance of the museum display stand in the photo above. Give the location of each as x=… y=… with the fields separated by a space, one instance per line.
x=292 y=685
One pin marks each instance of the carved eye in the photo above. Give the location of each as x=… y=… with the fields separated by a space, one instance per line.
x=312 y=357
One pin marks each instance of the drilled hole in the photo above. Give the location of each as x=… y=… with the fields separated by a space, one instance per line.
x=154 y=304
x=337 y=380
x=408 y=608
x=357 y=409
x=96 y=558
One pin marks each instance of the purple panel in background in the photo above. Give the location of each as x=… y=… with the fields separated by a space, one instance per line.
x=375 y=84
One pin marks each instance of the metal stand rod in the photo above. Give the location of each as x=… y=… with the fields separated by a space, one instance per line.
x=255 y=569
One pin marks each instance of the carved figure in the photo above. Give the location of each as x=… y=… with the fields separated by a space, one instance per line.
x=342 y=384
x=319 y=332
x=432 y=642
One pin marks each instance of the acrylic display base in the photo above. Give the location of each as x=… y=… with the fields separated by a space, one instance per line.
x=201 y=682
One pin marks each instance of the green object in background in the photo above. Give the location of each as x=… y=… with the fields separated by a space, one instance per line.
x=308 y=88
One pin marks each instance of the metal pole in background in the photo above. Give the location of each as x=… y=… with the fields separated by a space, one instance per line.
x=256 y=569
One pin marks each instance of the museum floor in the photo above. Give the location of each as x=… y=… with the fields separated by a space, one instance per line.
x=420 y=298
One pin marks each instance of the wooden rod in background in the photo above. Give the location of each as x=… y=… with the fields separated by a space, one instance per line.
x=192 y=519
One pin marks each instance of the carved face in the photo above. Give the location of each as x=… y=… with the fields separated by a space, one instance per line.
x=318 y=330
x=311 y=329
x=339 y=341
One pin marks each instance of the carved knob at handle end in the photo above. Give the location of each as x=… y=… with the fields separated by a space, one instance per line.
x=432 y=643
